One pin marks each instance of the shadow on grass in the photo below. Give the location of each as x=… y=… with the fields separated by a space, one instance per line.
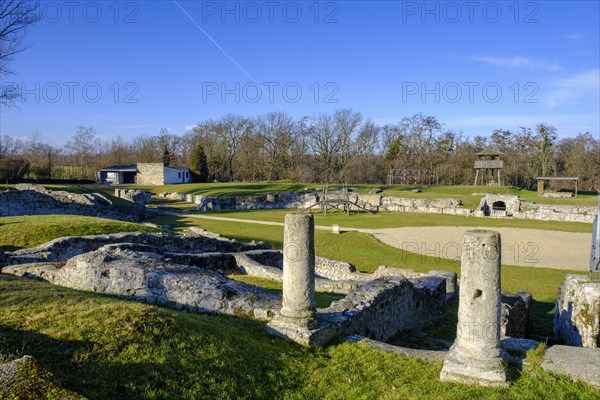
x=543 y=315
x=101 y=372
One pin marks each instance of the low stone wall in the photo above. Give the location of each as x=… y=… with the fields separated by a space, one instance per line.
x=577 y=314
x=547 y=212
x=265 y=202
x=517 y=316
x=384 y=307
x=140 y=197
x=379 y=309
x=62 y=249
x=375 y=202
x=29 y=199
x=116 y=269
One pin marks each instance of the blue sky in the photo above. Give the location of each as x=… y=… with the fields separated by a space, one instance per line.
x=132 y=68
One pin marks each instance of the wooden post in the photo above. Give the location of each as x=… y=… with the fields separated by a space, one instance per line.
x=540 y=187
x=576 y=185
x=476 y=176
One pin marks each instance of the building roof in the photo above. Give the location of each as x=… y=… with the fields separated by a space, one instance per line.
x=489 y=152
x=120 y=168
x=179 y=168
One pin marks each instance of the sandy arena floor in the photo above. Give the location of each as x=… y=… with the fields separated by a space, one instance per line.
x=524 y=247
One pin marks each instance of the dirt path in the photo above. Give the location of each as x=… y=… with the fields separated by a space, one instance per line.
x=523 y=247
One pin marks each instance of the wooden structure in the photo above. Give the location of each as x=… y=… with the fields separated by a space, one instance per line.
x=541 y=182
x=408 y=176
x=336 y=203
x=488 y=166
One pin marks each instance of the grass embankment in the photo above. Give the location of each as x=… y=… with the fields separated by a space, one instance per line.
x=30 y=231
x=398 y=220
x=221 y=189
x=108 y=348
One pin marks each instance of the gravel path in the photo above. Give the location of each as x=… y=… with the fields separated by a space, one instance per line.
x=522 y=247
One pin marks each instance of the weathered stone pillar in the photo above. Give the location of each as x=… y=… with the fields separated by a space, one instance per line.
x=298 y=266
x=296 y=320
x=475 y=356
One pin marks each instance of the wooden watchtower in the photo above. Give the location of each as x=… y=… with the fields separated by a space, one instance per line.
x=488 y=165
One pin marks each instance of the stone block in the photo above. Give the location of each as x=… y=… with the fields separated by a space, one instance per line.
x=577 y=314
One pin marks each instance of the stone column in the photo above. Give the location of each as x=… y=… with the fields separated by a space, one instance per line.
x=297 y=321
x=298 y=266
x=475 y=356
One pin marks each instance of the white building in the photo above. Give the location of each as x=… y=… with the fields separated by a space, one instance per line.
x=143 y=174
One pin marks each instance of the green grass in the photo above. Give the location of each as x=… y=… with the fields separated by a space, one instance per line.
x=107 y=348
x=104 y=347
x=397 y=220
x=33 y=230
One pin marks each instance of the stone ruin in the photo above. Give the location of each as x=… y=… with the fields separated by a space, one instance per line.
x=491 y=205
x=499 y=205
x=577 y=314
x=189 y=272
x=140 y=197
x=30 y=199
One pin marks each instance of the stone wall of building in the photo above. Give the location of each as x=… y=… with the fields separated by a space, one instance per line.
x=380 y=309
x=29 y=199
x=150 y=174
x=517 y=316
x=577 y=314
x=551 y=212
x=62 y=249
x=140 y=197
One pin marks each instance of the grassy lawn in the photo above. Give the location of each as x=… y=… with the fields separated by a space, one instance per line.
x=30 y=231
x=104 y=347
x=108 y=348
x=397 y=220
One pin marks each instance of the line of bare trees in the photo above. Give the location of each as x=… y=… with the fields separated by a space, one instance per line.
x=340 y=147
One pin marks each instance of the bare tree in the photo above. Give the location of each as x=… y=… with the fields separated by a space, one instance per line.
x=16 y=16
x=144 y=149
x=82 y=148
x=276 y=131
x=233 y=130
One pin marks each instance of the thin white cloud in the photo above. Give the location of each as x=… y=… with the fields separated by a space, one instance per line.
x=134 y=126
x=584 y=86
x=517 y=62
x=576 y=36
